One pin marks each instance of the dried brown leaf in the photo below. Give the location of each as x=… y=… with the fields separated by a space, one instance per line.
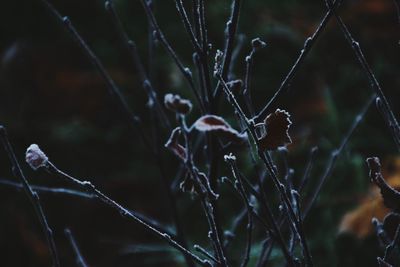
x=277 y=130
x=391 y=196
x=212 y=123
x=177 y=104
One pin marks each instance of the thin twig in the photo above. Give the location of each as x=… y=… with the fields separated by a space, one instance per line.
x=200 y=49
x=79 y=259
x=387 y=110
x=239 y=183
x=132 y=48
x=307 y=171
x=395 y=242
x=256 y=44
x=206 y=196
x=308 y=45
x=44 y=189
x=31 y=194
x=161 y=37
x=295 y=224
x=87 y=186
x=198 y=248
x=76 y=193
x=336 y=153
x=230 y=35
x=113 y=89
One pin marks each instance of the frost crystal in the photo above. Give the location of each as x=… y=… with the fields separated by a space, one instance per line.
x=35 y=157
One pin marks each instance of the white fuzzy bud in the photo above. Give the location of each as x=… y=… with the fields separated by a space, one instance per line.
x=35 y=157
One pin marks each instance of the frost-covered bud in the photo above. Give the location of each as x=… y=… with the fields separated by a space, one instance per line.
x=230 y=158
x=257 y=43
x=177 y=104
x=35 y=157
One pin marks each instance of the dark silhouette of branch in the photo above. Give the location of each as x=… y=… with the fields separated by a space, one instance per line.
x=336 y=153
x=31 y=194
x=384 y=105
x=132 y=49
x=89 y=187
x=308 y=45
x=265 y=158
x=113 y=89
x=231 y=160
x=163 y=40
x=79 y=259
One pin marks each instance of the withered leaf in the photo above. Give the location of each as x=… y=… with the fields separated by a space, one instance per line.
x=277 y=130
x=391 y=196
x=177 y=104
x=173 y=144
x=212 y=123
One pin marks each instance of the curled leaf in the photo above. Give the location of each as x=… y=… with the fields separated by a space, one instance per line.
x=173 y=144
x=257 y=43
x=358 y=221
x=277 y=130
x=177 y=104
x=391 y=197
x=212 y=123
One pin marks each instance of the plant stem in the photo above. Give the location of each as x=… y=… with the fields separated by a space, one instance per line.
x=32 y=195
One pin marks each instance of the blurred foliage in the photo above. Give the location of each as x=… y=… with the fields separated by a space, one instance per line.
x=51 y=95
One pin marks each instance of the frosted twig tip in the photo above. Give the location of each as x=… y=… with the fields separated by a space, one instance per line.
x=35 y=157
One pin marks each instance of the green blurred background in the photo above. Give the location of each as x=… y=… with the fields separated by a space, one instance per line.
x=51 y=95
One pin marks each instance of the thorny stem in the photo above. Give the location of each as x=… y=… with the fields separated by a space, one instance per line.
x=31 y=194
x=89 y=187
x=390 y=118
x=308 y=44
x=79 y=259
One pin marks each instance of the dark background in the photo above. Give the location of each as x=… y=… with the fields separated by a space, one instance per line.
x=51 y=95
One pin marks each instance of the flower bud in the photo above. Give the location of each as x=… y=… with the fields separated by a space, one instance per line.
x=177 y=104
x=35 y=157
